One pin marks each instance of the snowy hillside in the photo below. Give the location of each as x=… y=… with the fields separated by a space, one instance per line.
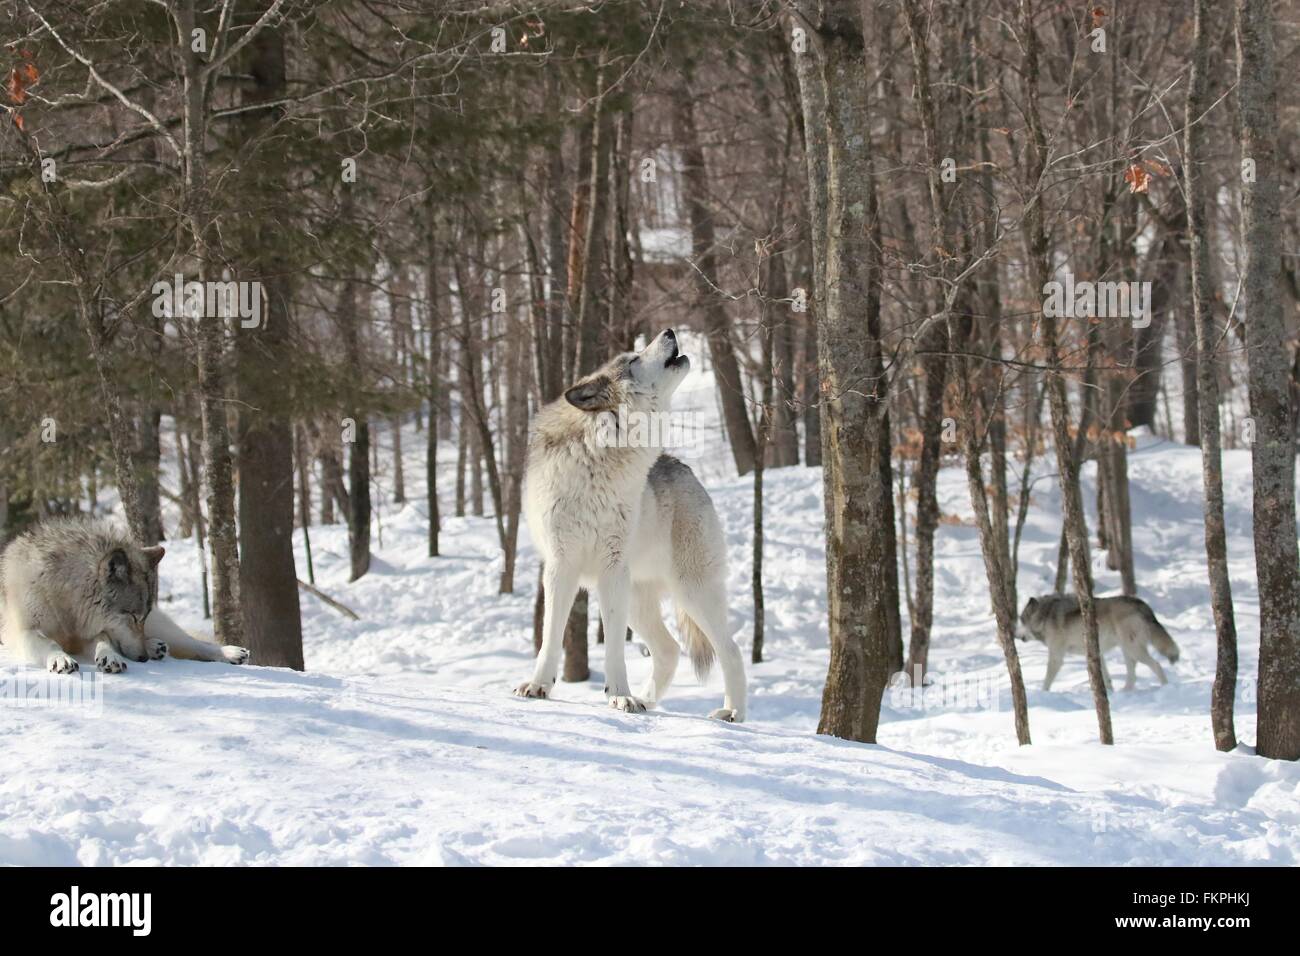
x=403 y=744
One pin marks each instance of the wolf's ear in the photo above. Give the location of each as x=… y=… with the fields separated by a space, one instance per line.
x=154 y=555
x=592 y=395
x=1033 y=603
x=119 y=568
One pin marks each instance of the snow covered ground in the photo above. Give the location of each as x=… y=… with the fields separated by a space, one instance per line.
x=402 y=744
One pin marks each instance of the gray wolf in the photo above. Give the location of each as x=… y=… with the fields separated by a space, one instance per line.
x=80 y=585
x=1124 y=622
x=636 y=525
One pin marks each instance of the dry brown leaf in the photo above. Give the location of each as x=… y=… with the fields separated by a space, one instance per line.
x=1138 y=179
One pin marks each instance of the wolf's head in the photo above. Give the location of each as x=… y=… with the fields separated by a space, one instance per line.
x=637 y=381
x=127 y=590
x=1031 y=620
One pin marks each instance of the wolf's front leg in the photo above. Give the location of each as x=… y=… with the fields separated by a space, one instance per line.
x=614 y=590
x=107 y=658
x=560 y=587
x=40 y=650
x=1055 y=658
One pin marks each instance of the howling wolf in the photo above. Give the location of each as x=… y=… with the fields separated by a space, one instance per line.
x=75 y=585
x=607 y=510
x=1124 y=622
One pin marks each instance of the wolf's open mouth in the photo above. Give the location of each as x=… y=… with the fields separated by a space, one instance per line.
x=676 y=361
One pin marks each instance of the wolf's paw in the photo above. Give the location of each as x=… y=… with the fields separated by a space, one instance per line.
x=234 y=655
x=529 y=689
x=629 y=705
x=727 y=714
x=110 y=662
x=155 y=649
x=61 y=663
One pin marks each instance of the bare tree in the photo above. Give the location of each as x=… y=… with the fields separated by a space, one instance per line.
x=1037 y=248
x=854 y=410
x=1273 y=450
x=703 y=241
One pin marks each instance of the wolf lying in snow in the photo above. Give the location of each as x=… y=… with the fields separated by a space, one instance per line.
x=617 y=515
x=1124 y=622
x=72 y=585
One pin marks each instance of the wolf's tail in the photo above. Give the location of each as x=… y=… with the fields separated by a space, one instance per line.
x=1159 y=636
x=697 y=645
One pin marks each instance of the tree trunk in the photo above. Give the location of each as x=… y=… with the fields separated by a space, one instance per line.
x=576 y=668
x=1273 y=450
x=695 y=185
x=303 y=460
x=516 y=438
x=810 y=389
x=765 y=417
x=147 y=458
x=185 y=527
x=1223 y=693
x=359 y=500
x=334 y=490
x=218 y=473
x=462 y=443
x=1185 y=331
x=811 y=97
x=268 y=579
x=591 y=348
x=218 y=468
x=472 y=397
x=1037 y=248
x=400 y=311
x=832 y=84
x=997 y=571
x=433 y=374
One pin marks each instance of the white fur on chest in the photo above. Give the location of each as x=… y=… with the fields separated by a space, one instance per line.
x=584 y=505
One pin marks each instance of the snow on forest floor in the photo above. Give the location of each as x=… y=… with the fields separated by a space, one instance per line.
x=402 y=744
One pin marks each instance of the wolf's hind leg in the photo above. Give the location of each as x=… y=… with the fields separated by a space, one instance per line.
x=647 y=620
x=1141 y=653
x=164 y=636
x=1130 y=667
x=706 y=606
x=40 y=650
